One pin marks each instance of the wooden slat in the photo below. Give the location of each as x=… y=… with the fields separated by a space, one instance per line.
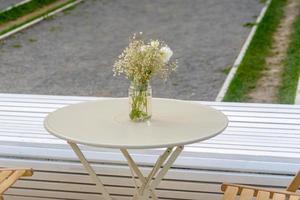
x=278 y=196
x=4 y=175
x=263 y=195
x=294 y=197
x=247 y=194
x=230 y=193
x=295 y=184
x=17 y=197
x=10 y=180
x=27 y=171
x=272 y=191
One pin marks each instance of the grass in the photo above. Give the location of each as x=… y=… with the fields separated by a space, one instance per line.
x=32 y=40
x=55 y=28
x=22 y=10
x=226 y=70
x=254 y=62
x=291 y=71
x=35 y=17
x=17 y=46
x=249 y=24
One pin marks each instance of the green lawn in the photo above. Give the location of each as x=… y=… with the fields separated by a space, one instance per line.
x=22 y=10
x=291 y=71
x=254 y=62
x=34 y=5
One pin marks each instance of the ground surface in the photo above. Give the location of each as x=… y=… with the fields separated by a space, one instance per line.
x=73 y=53
x=266 y=90
x=6 y=3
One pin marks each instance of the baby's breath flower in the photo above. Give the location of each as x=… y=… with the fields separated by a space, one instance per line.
x=140 y=61
x=154 y=43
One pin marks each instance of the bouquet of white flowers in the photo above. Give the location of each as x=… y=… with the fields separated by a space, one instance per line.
x=140 y=61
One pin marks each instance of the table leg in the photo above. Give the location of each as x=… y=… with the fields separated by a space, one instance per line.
x=90 y=170
x=161 y=167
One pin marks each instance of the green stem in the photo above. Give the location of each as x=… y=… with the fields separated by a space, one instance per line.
x=139 y=105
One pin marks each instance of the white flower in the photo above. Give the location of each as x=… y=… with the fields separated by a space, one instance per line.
x=144 y=47
x=166 y=53
x=154 y=43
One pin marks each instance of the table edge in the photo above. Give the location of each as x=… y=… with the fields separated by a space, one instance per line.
x=52 y=132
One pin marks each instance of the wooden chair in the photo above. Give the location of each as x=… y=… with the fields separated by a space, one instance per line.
x=232 y=191
x=8 y=176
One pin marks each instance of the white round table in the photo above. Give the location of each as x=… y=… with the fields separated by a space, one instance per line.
x=105 y=123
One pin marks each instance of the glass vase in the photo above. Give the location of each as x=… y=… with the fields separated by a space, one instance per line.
x=140 y=96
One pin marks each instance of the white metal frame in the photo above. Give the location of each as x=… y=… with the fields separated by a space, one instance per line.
x=147 y=184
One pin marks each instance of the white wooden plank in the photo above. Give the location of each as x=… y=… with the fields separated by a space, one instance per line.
x=57 y=97
x=272 y=138
x=30 y=104
x=197 y=148
x=265 y=145
x=263 y=133
x=269 y=126
x=244 y=115
x=256 y=109
x=220 y=144
x=231 y=119
x=203 y=160
x=40 y=177
x=26 y=135
x=264 y=125
x=121 y=190
x=230 y=113
x=25 y=123
x=236 y=148
x=273 y=142
x=265 y=120
x=79 y=99
x=256 y=105
x=86 y=98
x=23 y=114
x=262 y=115
x=71 y=187
x=174 y=174
x=258 y=130
x=20 y=130
x=249 y=154
x=16 y=131
x=27 y=109
x=84 y=196
x=53 y=194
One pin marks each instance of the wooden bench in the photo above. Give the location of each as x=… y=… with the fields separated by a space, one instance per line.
x=8 y=176
x=259 y=148
x=245 y=192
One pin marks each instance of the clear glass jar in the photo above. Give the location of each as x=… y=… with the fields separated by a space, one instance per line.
x=140 y=96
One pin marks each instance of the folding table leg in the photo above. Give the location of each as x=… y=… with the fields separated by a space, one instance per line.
x=151 y=182
x=90 y=170
x=134 y=168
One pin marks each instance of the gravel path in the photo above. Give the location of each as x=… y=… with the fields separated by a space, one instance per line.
x=73 y=53
x=6 y=3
